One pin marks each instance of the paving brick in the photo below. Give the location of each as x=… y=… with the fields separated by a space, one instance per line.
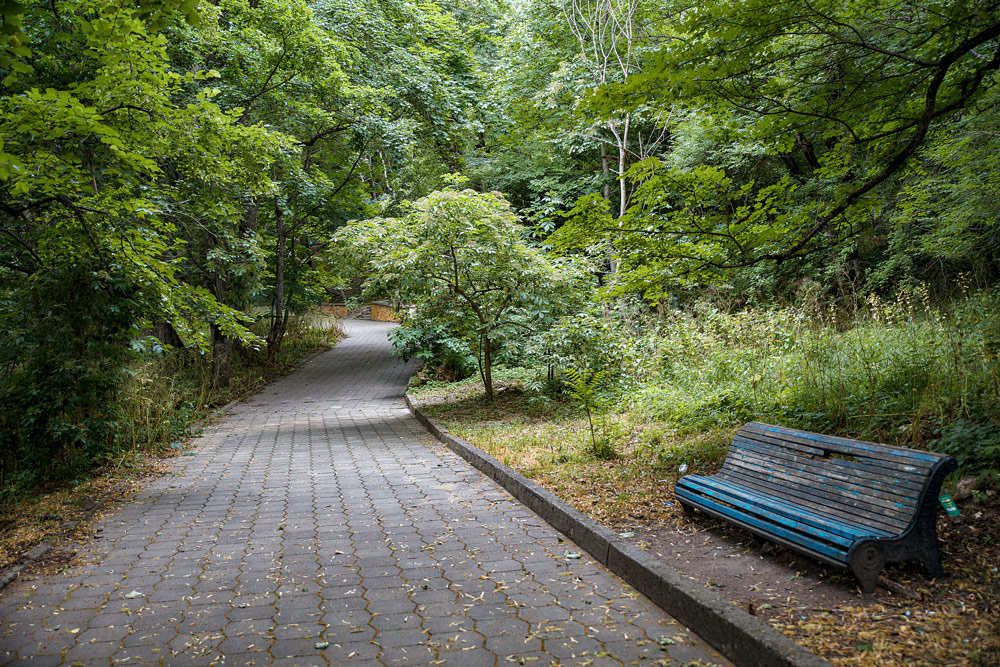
x=467 y=658
x=395 y=621
x=351 y=652
x=248 y=658
x=506 y=645
x=407 y=655
x=157 y=637
x=37 y=660
x=256 y=609
x=247 y=643
x=392 y=606
x=91 y=653
x=575 y=647
x=107 y=633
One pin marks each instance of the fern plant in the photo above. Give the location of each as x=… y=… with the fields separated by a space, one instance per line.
x=585 y=387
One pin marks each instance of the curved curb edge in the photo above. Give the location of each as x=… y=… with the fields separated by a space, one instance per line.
x=737 y=635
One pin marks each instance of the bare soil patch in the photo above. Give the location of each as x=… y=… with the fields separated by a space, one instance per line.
x=67 y=514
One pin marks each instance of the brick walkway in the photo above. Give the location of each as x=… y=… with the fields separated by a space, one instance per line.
x=319 y=524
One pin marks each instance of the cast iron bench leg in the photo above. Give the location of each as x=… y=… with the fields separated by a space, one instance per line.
x=866 y=561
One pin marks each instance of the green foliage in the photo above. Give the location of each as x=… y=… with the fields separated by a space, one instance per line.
x=60 y=411
x=591 y=340
x=460 y=261
x=946 y=220
x=185 y=162
x=534 y=148
x=975 y=444
x=833 y=141
x=442 y=348
x=842 y=94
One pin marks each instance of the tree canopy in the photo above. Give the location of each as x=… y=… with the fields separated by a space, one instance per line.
x=184 y=163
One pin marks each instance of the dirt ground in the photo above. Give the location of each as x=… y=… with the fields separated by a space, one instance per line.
x=760 y=577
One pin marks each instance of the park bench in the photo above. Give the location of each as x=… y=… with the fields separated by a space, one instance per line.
x=852 y=504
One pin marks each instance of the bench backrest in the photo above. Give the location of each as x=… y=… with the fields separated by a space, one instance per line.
x=859 y=482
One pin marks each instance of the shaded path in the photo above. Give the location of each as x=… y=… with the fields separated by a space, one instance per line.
x=319 y=524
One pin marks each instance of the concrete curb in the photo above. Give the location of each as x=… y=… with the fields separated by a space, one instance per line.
x=737 y=635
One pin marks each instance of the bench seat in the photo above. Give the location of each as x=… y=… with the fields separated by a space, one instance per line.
x=851 y=504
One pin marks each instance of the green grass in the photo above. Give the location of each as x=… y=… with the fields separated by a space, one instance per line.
x=900 y=373
x=548 y=440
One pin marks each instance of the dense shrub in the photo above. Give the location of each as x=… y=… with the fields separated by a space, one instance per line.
x=61 y=370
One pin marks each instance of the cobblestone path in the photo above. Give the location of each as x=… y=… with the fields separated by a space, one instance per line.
x=319 y=524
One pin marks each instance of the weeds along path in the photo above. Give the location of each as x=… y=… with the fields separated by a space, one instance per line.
x=318 y=523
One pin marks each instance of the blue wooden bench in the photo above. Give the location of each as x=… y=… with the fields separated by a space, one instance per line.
x=852 y=504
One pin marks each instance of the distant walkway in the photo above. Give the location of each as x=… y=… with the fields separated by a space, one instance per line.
x=319 y=524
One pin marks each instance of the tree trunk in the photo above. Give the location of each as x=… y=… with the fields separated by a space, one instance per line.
x=488 y=369
x=277 y=332
x=604 y=171
x=222 y=346
x=222 y=358
x=622 y=157
x=166 y=334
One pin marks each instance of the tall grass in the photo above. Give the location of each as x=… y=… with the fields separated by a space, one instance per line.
x=167 y=393
x=902 y=372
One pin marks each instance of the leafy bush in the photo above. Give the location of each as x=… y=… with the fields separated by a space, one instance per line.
x=62 y=370
x=445 y=354
x=582 y=341
x=975 y=444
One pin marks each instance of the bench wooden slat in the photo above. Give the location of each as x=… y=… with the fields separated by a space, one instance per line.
x=826 y=468
x=846 y=527
x=824 y=528
x=854 y=514
x=864 y=466
x=900 y=464
x=912 y=458
x=832 y=482
x=849 y=494
x=831 y=468
x=850 y=503
x=768 y=527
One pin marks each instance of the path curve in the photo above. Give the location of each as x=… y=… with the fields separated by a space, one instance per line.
x=319 y=524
